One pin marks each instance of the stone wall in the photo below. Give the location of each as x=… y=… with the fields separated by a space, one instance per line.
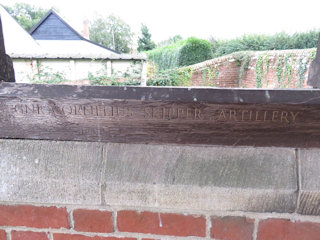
x=266 y=69
x=106 y=191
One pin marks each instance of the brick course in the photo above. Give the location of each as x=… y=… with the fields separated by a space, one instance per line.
x=3 y=235
x=61 y=236
x=284 y=229
x=19 y=235
x=232 y=228
x=92 y=221
x=31 y=216
x=161 y=223
x=96 y=224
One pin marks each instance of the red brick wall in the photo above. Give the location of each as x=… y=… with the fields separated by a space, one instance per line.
x=228 y=70
x=27 y=222
x=219 y=72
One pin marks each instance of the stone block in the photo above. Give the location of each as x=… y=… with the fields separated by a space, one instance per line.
x=212 y=178
x=50 y=171
x=309 y=200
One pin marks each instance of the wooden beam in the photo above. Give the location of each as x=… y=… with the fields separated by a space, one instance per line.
x=238 y=117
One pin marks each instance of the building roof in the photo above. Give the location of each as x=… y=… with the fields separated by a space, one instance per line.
x=53 y=38
x=17 y=40
x=54 y=27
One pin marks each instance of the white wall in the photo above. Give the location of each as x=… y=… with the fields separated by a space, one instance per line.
x=75 y=70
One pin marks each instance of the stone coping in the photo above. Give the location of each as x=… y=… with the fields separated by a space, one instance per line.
x=200 y=178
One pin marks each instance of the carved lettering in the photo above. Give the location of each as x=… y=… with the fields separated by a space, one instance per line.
x=265 y=116
x=242 y=115
x=250 y=116
x=222 y=116
x=274 y=116
x=154 y=113
x=197 y=114
x=284 y=116
x=294 y=116
x=257 y=117
x=233 y=115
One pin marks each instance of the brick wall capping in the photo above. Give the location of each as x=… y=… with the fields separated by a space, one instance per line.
x=254 y=55
x=166 y=115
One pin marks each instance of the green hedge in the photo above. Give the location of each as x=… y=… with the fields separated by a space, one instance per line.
x=182 y=53
x=193 y=51
x=255 y=42
x=165 y=57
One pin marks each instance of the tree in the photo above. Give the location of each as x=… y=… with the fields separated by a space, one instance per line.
x=170 y=41
x=26 y=14
x=194 y=51
x=144 y=42
x=112 y=32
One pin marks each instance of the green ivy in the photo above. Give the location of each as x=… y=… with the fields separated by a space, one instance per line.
x=242 y=60
x=204 y=76
x=209 y=74
x=313 y=54
x=301 y=71
x=171 y=77
x=46 y=75
x=265 y=67
x=288 y=69
x=279 y=69
x=258 y=70
x=213 y=73
x=131 y=77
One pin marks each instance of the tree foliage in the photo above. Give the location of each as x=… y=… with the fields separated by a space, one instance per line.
x=26 y=14
x=194 y=50
x=181 y=53
x=170 y=41
x=144 y=42
x=258 y=42
x=165 y=57
x=112 y=32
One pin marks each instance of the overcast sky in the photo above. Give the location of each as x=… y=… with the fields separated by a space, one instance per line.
x=222 y=19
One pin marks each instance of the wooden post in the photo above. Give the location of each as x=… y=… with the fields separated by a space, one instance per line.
x=314 y=70
x=6 y=66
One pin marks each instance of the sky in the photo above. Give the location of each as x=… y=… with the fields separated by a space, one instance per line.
x=222 y=19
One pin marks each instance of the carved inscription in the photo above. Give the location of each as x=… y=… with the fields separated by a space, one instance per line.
x=73 y=110
x=158 y=113
x=174 y=112
x=256 y=116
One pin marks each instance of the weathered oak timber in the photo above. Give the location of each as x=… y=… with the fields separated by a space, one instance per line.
x=6 y=65
x=237 y=117
x=314 y=69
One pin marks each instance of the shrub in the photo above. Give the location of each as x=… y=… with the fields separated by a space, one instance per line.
x=193 y=51
x=165 y=57
x=171 y=77
x=256 y=42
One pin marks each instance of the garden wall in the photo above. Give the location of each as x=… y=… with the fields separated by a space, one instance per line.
x=93 y=191
x=156 y=163
x=77 y=70
x=266 y=69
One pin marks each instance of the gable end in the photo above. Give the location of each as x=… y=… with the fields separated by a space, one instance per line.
x=54 y=28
